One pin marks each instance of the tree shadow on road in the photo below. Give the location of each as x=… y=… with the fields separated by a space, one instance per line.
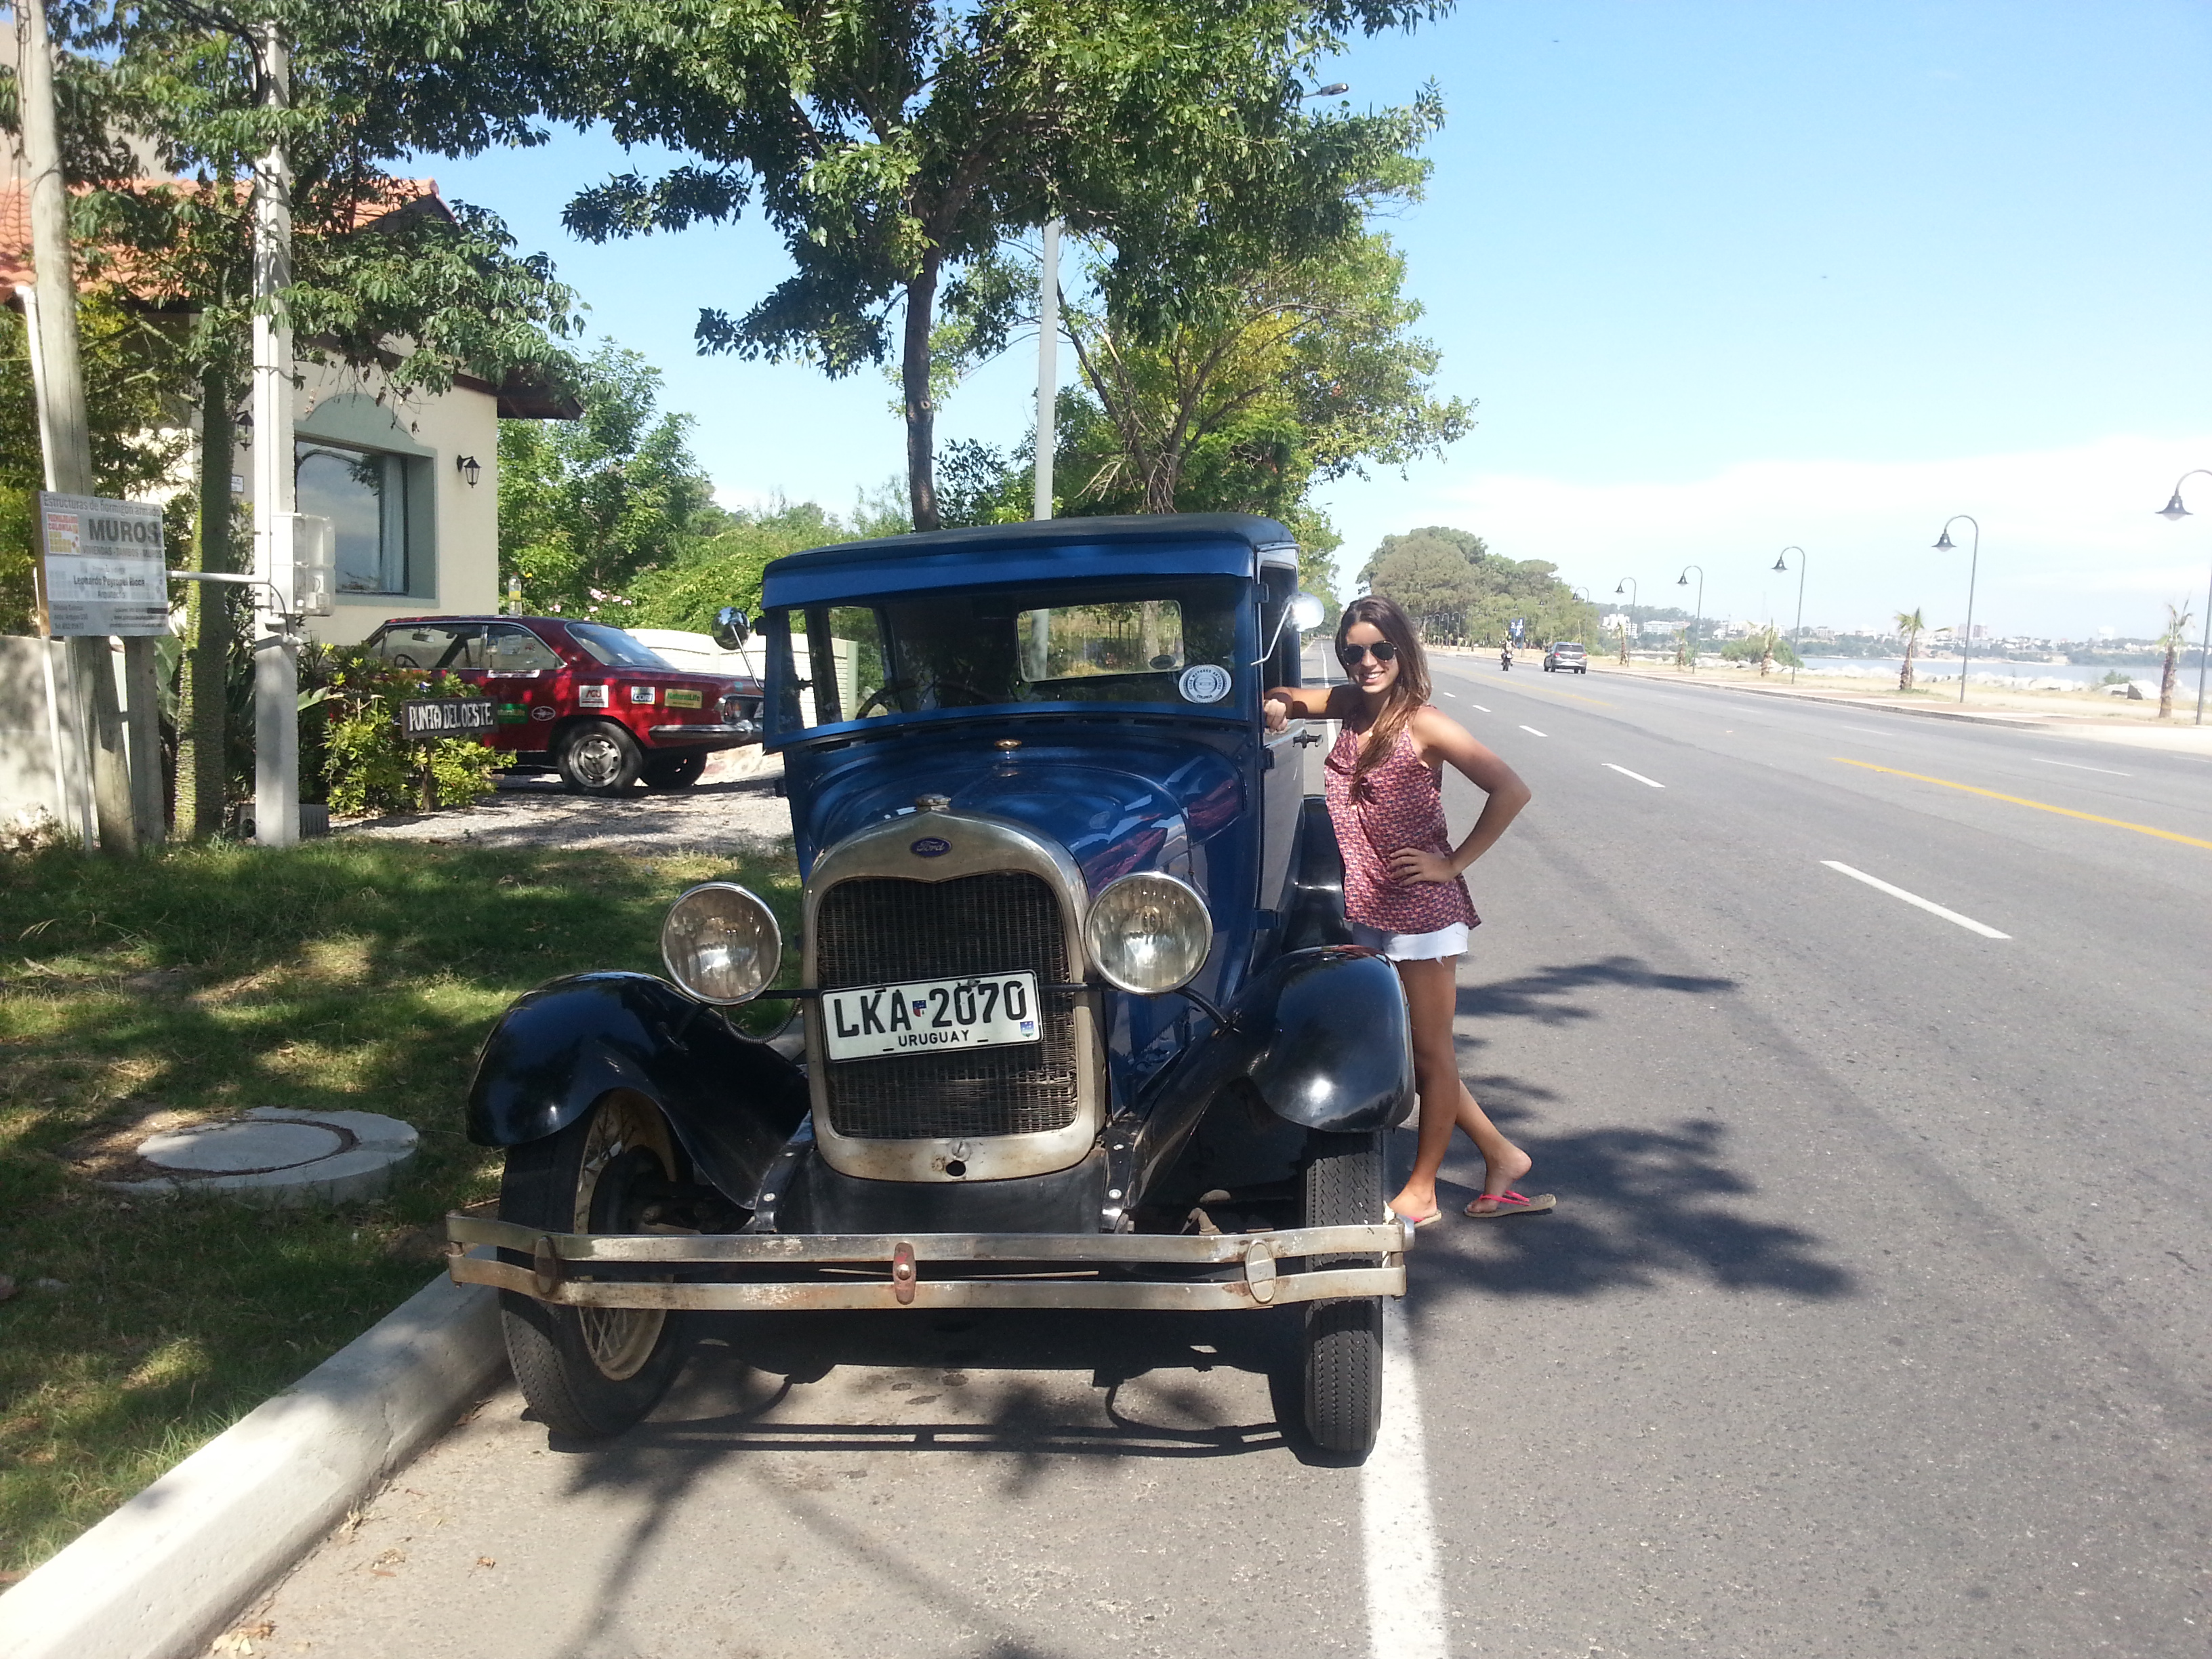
x=1541 y=995
x=1637 y=1206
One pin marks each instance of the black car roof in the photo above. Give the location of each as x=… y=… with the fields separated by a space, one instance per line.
x=1248 y=527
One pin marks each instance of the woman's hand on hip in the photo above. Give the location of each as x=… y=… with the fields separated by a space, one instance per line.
x=1410 y=864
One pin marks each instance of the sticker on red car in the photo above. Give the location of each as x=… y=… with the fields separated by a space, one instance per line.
x=683 y=699
x=591 y=696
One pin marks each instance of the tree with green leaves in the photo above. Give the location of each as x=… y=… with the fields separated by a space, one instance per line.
x=726 y=567
x=2173 y=639
x=585 y=506
x=386 y=279
x=1302 y=372
x=1431 y=577
x=1911 y=624
x=898 y=146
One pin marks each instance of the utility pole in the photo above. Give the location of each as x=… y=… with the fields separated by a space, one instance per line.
x=277 y=653
x=1048 y=366
x=67 y=442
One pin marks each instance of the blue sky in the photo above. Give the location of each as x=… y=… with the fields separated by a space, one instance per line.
x=1721 y=277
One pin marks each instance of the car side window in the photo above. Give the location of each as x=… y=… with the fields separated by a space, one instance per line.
x=516 y=650
x=433 y=645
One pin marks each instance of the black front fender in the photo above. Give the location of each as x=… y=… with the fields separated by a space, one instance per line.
x=732 y=1102
x=1330 y=1043
x=1319 y=1036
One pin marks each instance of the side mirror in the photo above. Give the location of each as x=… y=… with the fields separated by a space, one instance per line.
x=1302 y=612
x=732 y=629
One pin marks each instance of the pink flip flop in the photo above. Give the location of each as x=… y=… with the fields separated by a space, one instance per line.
x=1511 y=1203
x=1417 y=1222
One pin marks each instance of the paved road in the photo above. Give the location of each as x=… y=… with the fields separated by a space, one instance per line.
x=1873 y=1321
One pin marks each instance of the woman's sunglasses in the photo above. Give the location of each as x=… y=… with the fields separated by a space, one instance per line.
x=1381 y=651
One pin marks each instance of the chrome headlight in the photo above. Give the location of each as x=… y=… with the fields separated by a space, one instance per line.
x=722 y=943
x=1148 y=933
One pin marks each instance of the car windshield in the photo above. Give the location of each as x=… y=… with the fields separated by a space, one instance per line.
x=614 y=647
x=1166 y=641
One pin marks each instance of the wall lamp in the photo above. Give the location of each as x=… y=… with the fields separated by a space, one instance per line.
x=467 y=466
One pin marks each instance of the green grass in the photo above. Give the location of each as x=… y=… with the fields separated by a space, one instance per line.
x=340 y=975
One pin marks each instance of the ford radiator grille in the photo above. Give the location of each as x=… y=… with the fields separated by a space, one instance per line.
x=880 y=930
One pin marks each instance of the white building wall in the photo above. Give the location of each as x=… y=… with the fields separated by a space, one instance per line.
x=454 y=555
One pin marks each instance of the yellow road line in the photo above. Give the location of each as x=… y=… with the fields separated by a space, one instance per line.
x=2016 y=801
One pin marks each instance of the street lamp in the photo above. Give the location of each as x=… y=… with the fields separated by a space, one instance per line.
x=1944 y=545
x=2174 y=510
x=1683 y=580
x=1781 y=564
x=1628 y=587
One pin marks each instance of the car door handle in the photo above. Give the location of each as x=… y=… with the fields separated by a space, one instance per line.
x=1306 y=740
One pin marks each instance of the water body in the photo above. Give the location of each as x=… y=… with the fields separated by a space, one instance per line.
x=2017 y=675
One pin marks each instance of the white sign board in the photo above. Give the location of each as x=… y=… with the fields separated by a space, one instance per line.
x=103 y=569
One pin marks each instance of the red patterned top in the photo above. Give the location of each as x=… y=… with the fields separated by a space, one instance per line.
x=1398 y=804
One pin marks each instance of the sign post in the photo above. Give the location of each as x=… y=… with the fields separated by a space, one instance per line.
x=426 y=720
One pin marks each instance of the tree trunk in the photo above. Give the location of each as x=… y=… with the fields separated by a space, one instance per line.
x=920 y=411
x=203 y=700
x=1904 y=679
x=2166 y=683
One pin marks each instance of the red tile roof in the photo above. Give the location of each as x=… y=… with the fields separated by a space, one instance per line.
x=404 y=194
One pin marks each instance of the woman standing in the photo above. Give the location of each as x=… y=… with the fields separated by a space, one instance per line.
x=1404 y=892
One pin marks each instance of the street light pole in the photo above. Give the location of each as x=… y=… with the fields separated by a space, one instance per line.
x=1698 y=615
x=1782 y=563
x=1048 y=366
x=1628 y=586
x=1944 y=545
x=2174 y=510
x=277 y=655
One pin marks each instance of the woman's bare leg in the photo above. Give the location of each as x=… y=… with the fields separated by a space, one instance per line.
x=1431 y=991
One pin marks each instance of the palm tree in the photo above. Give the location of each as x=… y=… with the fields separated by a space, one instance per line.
x=2175 y=637
x=1910 y=623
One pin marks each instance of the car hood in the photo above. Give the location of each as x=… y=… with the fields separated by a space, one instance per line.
x=1119 y=801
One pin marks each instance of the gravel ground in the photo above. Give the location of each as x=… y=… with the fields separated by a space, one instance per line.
x=734 y=803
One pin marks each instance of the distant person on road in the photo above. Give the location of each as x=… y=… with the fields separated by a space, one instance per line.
x=1405 y=893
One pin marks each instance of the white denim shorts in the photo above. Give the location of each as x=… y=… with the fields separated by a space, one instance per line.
x=1413 y=947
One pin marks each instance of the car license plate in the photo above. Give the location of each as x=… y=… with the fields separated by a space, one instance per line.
x=928 y=1016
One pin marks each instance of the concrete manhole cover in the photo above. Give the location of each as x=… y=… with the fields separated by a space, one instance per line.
x=272 y=1155
x=242 y=1148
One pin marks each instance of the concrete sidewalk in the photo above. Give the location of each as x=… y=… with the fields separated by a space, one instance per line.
x=2176 y=739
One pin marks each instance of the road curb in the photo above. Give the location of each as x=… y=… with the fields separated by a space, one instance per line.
x=161 y=1577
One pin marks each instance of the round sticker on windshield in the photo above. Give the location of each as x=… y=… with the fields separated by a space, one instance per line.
x=1203 y=682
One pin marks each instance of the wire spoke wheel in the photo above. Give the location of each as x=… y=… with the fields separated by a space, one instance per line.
x=591 y=1372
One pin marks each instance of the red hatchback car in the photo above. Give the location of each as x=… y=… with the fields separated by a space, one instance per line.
x=582 y=697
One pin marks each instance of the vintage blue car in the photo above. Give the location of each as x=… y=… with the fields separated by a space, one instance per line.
x=1082 y=1025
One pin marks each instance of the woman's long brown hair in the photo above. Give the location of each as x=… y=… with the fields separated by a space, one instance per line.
x=1407 y=692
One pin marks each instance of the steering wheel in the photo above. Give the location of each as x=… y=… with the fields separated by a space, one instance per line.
x=404 y=661
x=963 y=687
x=878 y=696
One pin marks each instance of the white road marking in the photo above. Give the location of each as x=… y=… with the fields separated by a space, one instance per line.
x=2106 y=770
x=1405 y=1606
x=1532 y=731
x=1626 y=773
x=1477 y=705
x=1454 y=696
x=1929 y=905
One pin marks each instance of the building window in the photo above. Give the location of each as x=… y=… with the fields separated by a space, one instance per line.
x=364 y=493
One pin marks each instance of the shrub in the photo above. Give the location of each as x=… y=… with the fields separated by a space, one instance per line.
x=370 y=768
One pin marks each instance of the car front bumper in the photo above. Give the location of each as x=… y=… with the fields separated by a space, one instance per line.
x=773 y=1271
